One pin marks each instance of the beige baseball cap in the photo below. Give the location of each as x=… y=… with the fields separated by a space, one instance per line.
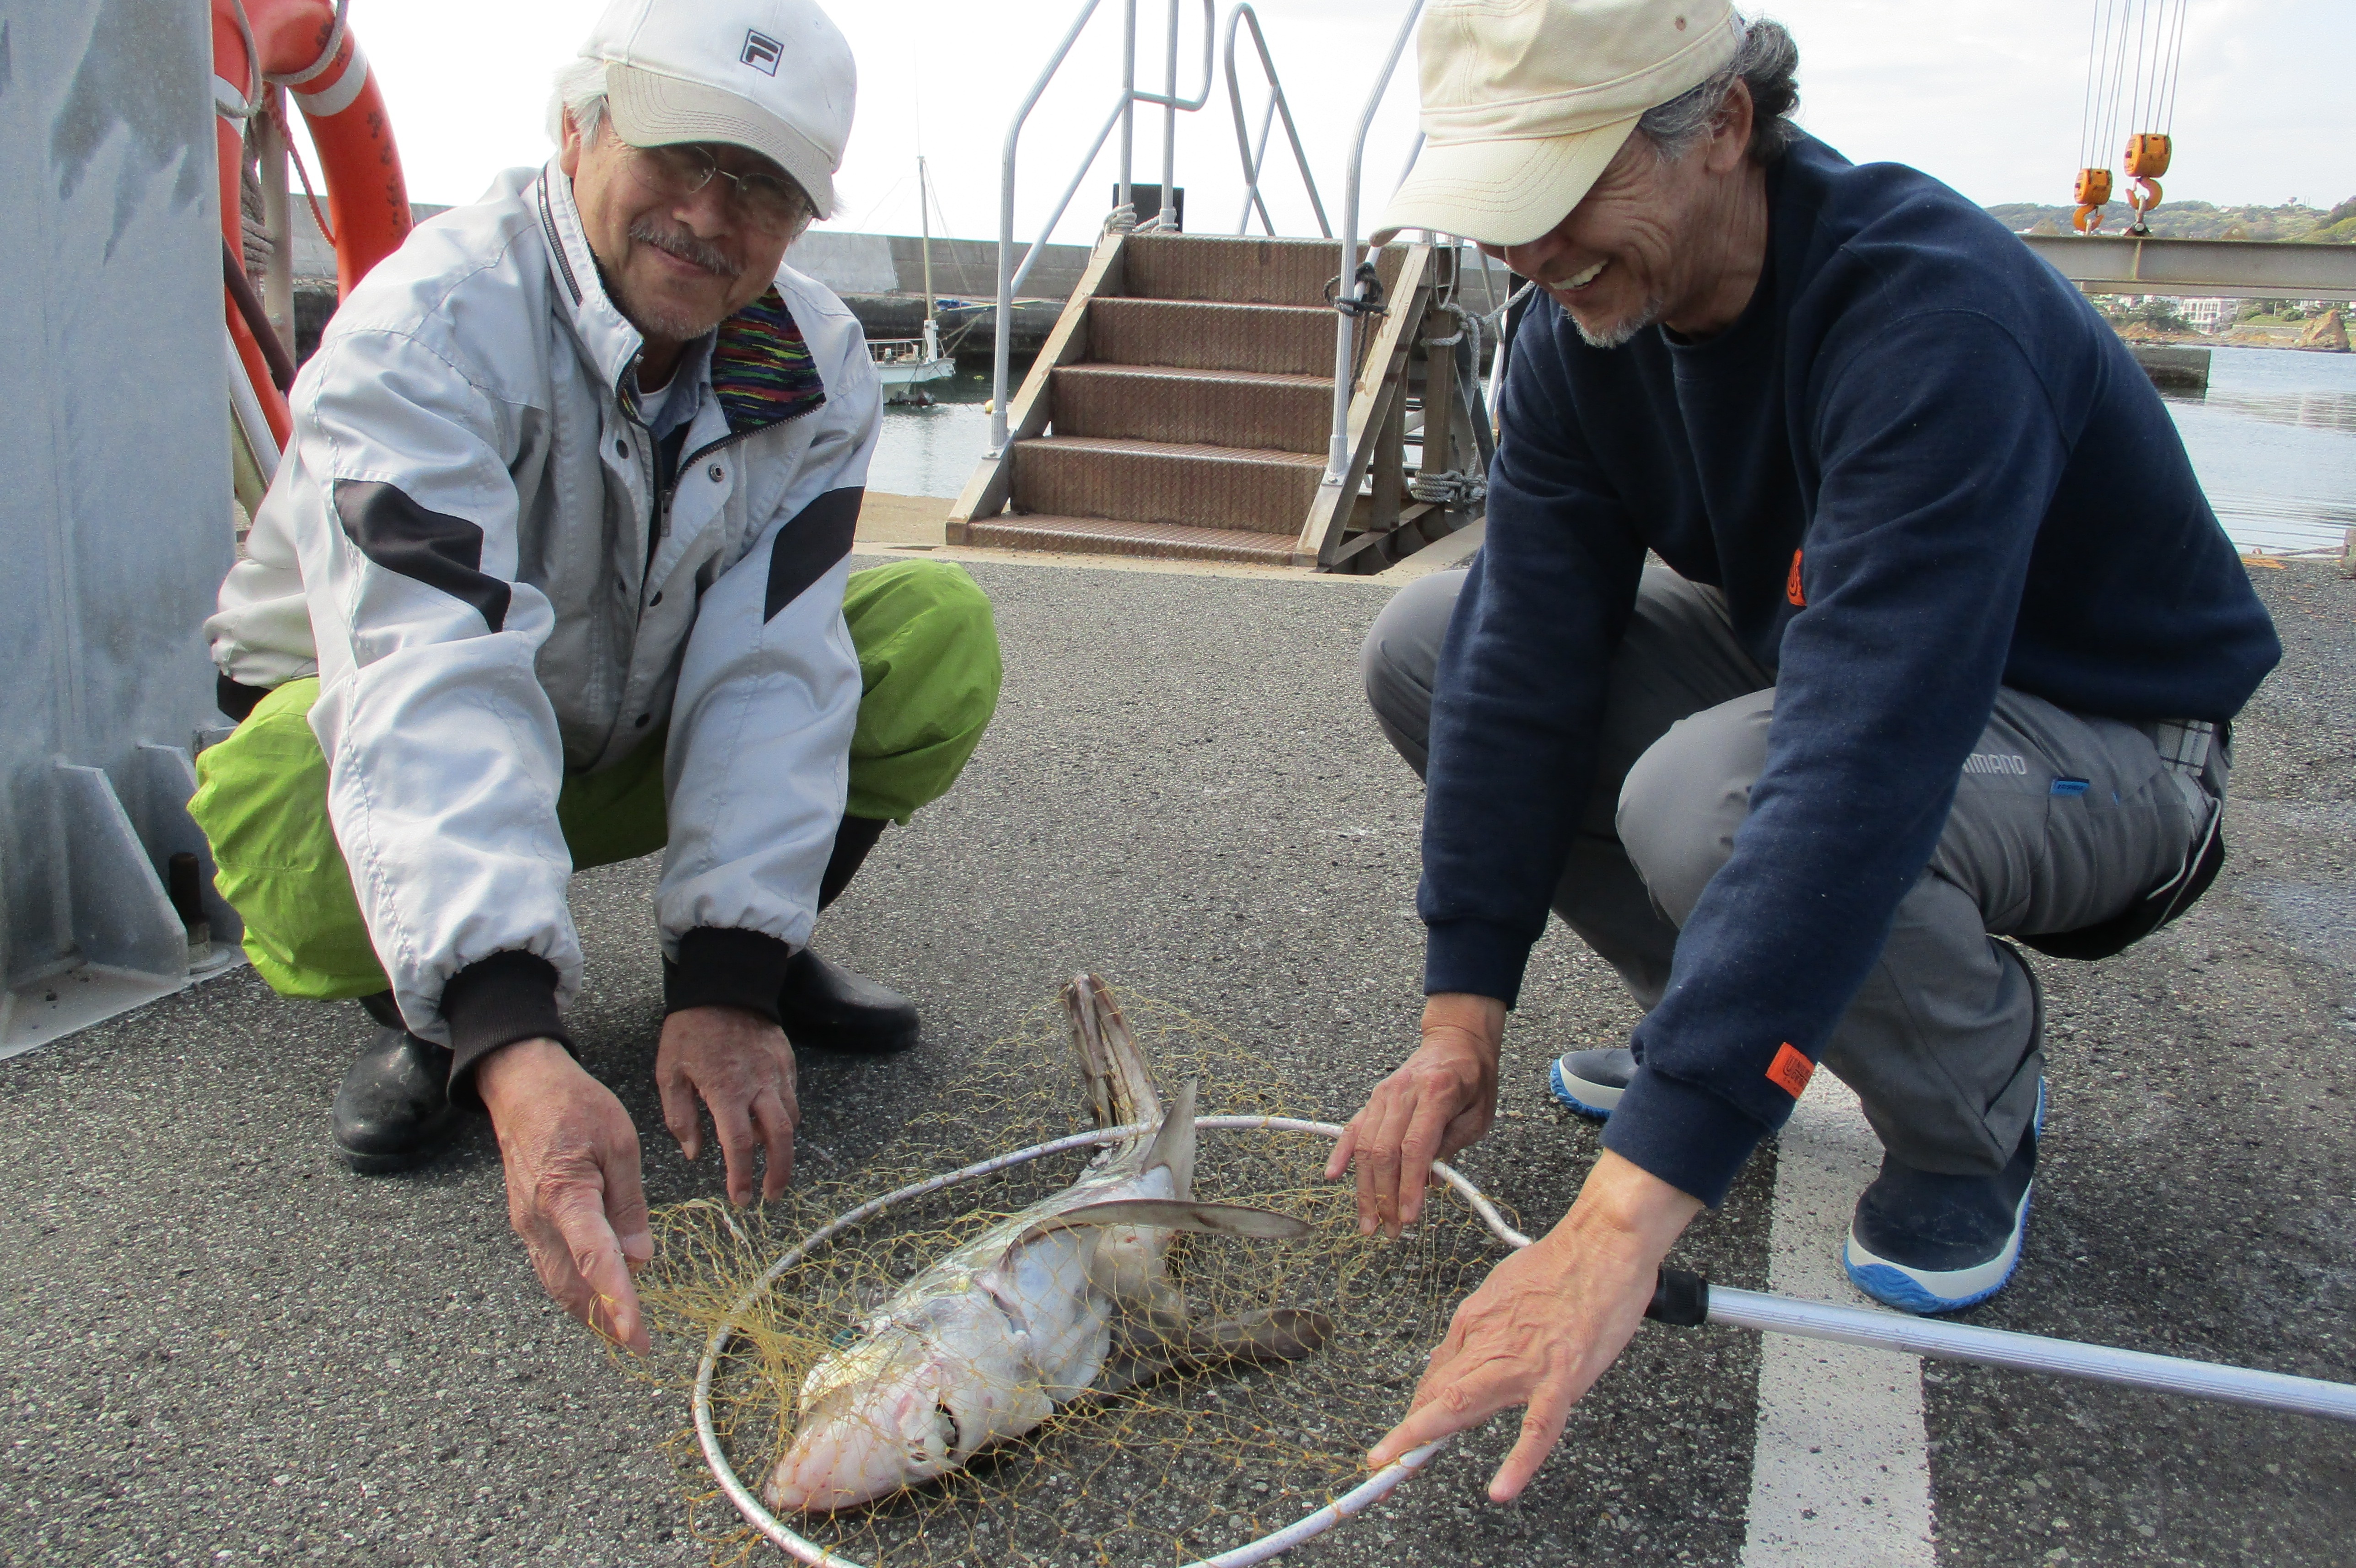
x=1525 y=102
x=774 y=76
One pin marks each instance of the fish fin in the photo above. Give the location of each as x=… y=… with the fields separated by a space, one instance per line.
x=1175 y=1214
x=1260 y=1338
x=1119 y=1080
x=1173 y=1144
x=1267 y=1334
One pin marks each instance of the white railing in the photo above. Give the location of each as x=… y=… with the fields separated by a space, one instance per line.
x=1353 y=293
x=1123 y=116
x=1356 y=293
x=1255 y=153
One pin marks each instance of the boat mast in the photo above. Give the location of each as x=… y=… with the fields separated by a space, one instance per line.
x=925 y=228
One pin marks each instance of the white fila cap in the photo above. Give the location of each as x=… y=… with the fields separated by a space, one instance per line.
x=774 y=76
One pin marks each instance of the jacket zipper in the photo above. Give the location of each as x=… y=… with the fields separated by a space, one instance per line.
x=664 y=502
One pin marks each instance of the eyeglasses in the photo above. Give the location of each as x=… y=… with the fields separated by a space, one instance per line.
x=770 y=203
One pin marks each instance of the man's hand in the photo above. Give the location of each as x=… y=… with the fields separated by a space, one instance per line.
x=1441 y=1099
x=1549 y=1320
x=574 y=1189
x=741 y=1065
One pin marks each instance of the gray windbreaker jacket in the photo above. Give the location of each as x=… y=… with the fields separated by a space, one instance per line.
x=456 y=543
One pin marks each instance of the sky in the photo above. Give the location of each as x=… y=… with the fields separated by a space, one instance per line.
x=1987 y=95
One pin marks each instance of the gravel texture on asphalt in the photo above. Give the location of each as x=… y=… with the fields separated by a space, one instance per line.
x=221 y=1347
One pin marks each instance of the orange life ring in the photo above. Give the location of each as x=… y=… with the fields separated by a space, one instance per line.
x=305 y=47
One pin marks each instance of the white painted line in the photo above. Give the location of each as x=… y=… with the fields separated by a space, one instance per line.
x=1841 y=1477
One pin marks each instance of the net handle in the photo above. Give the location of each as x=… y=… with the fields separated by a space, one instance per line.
x=1359 y=1498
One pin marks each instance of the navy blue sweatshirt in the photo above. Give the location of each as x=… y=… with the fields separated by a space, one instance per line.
x=1979 y=487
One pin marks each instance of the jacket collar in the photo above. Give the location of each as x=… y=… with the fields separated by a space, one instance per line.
x=607 y=339
x=762 y=371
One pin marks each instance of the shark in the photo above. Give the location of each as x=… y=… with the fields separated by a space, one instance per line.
x=1070 y=1298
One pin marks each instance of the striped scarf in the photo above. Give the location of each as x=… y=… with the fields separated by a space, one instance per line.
x=761 y=368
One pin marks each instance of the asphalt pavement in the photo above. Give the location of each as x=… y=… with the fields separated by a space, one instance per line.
x=218 y=1346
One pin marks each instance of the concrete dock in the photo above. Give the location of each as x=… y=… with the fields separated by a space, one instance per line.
x=220 y=1347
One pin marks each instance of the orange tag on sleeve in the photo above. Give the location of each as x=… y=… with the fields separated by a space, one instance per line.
x=1791 y=1070
x=1792 y=589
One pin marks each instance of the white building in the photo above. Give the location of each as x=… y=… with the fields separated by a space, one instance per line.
x=2209 y=314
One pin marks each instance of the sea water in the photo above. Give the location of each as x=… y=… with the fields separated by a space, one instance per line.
x=934 y=451
x=2274 y=440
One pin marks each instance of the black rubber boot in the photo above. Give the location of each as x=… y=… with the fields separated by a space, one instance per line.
x=825 y=1008
x=393 y=1109
x=853 y=837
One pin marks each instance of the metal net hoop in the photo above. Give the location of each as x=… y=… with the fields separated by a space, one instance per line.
x=1372 y=1489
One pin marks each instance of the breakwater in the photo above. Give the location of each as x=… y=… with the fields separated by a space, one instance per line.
x=879 y=276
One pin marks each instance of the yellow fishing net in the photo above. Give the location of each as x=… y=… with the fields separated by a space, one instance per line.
x=1171 y=1470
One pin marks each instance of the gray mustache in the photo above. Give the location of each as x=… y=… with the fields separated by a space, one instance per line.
x=686 y=247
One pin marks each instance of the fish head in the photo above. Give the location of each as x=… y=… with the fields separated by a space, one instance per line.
x=881 y=1421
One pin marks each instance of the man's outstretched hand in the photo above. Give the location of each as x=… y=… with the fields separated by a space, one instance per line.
x=1441 y=1099
x=575 y=1194
x=1547 y=1321
x=739 y=1064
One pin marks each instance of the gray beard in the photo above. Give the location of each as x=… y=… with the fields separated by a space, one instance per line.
x=653 y=322
x=659 y=325
x=1620 y=333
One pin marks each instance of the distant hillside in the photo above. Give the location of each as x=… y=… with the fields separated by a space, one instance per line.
x=2200 y=220
x=2338 y=226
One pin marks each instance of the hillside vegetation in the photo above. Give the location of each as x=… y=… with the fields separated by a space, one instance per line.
x=2200 y=220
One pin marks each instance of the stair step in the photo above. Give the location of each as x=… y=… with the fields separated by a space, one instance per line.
x=1215 y=407
x=1275 y=340
x=1106 y=536
x=1165 y=482
x=1235 y=269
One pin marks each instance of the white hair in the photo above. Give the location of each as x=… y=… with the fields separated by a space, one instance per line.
x=1767 y=62
x=580 y=92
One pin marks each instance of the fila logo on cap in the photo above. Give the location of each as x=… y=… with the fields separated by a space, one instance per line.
x=761 y=52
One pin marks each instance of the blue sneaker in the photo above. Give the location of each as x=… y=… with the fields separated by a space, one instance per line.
x=1589 y=1082
x=1922 y=1241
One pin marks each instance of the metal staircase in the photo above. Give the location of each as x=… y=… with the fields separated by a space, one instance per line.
x=1186 y=405
x=1180 y=408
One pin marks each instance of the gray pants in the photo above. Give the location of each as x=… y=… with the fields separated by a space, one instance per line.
x=1943 y=1044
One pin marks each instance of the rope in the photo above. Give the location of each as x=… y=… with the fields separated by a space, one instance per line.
x=2175 y=69
x=2122 y=86
x=254 y=79
x=286 y=136
x=1366 y=301
x=1495 y=320
x=252 y=64
x=327 y=57
x=2142 y=66
x=1464 y=319
x=1451 y=488
x=2086 y=110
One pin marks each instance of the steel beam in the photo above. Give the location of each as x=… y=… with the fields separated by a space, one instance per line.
x=2227 y=268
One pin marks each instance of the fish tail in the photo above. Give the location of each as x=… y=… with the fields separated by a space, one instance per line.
x=1119 y=1080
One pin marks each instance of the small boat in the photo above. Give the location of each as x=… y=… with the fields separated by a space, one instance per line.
x=904 y=365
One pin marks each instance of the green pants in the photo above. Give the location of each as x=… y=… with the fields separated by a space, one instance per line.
x=928 y=671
